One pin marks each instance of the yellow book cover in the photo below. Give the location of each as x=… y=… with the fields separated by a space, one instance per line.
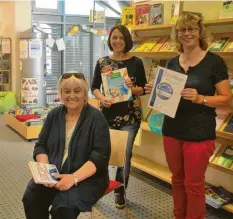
x=128 y=17
x=160 y=43
x=149 y=44
x=169 y=46
x=139 y=47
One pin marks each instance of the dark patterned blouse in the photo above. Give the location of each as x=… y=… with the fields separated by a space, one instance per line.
x=124 y=113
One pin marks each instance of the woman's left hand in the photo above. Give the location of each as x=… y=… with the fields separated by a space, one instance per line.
x=65 y=183
x=190 y=94
x=129 y=83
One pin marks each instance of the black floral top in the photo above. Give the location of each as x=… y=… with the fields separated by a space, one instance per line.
x=124 y=113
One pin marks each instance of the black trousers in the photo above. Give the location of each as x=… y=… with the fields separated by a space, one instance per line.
x=37 y=200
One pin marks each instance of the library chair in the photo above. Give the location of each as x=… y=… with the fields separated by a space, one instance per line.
x=117 y=159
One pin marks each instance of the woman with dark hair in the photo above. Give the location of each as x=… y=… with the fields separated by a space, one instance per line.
x=124 y=115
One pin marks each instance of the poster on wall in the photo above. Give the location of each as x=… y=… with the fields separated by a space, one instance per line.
x=35 y=49
x=227 y=9
x=29 y=91
x=23 y=49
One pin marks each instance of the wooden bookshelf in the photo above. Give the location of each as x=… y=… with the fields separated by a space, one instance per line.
x=155 y=169
x=28 y=132
x=218 y=167
x=227 y=21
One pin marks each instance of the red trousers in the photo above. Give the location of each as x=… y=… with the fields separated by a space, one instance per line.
x=188 y=162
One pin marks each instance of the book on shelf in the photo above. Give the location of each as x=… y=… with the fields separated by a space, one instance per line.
x=165 y=95
x=114 y=85
x=217 y=196
x=226 y=158
x=128 y=17
x=226 y=9
x=136 y=43
x=229 y=46
x=169 y=46
x=218 y=44
x=142 y=14
x=160 y=43
x=156 y=14
x=43 y=173
x=149 y=44
x=177 y=7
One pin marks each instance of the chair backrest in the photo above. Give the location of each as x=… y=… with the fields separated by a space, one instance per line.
x=94 y=102
x=118 y=147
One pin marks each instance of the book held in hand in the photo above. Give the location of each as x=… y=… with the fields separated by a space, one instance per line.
x=115 y=88
x=43 y=173
x=165 y=95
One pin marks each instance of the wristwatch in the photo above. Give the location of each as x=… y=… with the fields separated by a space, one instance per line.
x=75 y=179
x=204 y=100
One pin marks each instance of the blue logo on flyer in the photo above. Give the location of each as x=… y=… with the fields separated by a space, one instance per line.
x=164 y=91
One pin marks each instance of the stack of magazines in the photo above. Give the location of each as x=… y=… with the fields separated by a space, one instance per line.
x=217 y=196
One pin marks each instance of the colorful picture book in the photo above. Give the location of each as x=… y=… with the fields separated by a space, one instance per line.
x=43 y=173
x=226 y=158
x=176 y=10
x=218 y=44
x=114 y=85
x=165 y=95
x=229 y=46
x=156 y=14
x=142 y=14
x=229 y=126
x=128 y=17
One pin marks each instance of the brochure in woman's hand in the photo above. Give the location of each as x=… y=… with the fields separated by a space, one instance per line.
x=165 y=95
x=43 y=173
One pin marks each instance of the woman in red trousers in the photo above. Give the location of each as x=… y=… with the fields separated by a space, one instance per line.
x=189 y=138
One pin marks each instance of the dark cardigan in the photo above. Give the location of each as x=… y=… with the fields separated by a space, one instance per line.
x=90 y=142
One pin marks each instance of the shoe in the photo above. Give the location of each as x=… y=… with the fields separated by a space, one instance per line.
x=119 y=201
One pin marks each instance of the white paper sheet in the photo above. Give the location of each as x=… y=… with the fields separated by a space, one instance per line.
x=165 y=95
x=50 y=42
x=60 y=44
x=35 y=48
x=23 y=49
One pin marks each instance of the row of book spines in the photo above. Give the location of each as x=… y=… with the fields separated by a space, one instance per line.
x=143 y=14
x=164 y=44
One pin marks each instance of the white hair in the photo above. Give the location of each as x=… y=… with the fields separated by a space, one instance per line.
x=71 y=80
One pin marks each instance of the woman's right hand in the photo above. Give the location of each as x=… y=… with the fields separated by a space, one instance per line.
x=106 y=103
x=148 y=88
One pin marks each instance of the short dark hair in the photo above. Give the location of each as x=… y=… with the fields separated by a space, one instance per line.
x=127 y=37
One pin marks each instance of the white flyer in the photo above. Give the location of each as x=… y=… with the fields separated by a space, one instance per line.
x=23 y=49
x=60 y=44
x=29 y=91
x=6 y=46
x=165 y=95
x=35 y=49
x=50 y=42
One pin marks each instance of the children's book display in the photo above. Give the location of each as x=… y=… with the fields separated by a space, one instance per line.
x=165 y=95
x=156 y=14
x=114 y=85
x=217 y=196
x=43 y=173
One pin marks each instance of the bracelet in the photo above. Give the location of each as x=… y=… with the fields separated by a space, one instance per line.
x=75 y=179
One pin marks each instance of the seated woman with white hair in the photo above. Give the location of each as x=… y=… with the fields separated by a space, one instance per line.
x=75 y=137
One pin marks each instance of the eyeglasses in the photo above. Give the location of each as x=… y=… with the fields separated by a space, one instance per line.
x=189 y=29
x=75 y=74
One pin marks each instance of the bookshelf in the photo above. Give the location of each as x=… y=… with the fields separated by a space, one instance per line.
x=161 y=171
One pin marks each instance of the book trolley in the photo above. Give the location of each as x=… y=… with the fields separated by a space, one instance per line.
x=148 y=153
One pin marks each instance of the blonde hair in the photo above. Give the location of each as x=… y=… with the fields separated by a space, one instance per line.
x=192 y=20
x=73 y=79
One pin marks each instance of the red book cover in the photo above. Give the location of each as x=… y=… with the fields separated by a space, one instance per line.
x=142 y=14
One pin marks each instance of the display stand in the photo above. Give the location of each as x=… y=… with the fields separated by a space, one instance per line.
x=28 y=132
